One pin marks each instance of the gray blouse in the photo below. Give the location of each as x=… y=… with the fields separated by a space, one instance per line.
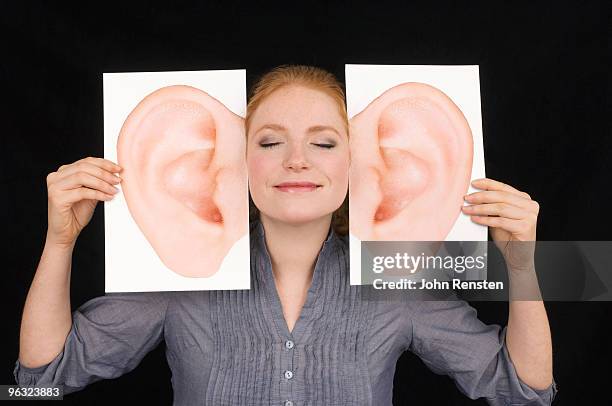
x=233 y=347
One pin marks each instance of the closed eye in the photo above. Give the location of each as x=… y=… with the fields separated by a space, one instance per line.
x=269 y=145
x=273 y=144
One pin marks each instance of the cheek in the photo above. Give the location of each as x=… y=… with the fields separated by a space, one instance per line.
x=337 y=170
x=259 y=168
x=340 y=175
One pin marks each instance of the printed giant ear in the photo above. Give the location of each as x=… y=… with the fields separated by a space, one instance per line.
x=184 y=177
x=411 y=162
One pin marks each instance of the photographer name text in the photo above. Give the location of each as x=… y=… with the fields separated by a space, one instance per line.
x=436 y=284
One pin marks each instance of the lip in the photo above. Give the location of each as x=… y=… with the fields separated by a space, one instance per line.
x=296 y=187
x=297 y=184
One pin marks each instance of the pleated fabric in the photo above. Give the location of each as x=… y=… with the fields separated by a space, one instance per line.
x=328 y=358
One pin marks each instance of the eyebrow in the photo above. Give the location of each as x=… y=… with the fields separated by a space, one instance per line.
x=319 y=128
x=274 y=127
x=313 y=129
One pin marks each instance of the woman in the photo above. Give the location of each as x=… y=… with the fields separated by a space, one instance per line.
x=302 y=334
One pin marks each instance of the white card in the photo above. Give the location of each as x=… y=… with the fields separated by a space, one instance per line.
x=416 y=144
x=180 y=221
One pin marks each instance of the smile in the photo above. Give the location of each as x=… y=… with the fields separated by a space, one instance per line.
x=297 y=188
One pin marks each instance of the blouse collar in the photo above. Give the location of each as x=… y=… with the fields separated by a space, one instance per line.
x=264 y=262
x=263 y=267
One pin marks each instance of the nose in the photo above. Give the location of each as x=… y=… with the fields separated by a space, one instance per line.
x=296 y=159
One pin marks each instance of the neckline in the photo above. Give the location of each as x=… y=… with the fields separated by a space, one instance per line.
x=299 y=332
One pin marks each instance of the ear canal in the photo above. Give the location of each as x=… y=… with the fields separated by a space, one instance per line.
x=406 y=177
x=187 y=181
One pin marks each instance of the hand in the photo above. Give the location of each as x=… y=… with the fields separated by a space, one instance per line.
x=73 y=192
x=512 y=216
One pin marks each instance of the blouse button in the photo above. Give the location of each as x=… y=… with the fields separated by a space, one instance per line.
x=288 y=403
x=288 y=374
x=289 y=344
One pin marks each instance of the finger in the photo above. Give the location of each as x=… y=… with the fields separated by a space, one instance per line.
x=510 y=225
x=501 y=197
x=76 y=195
x=90 y=168
x=100 y=162
x=76 y=180
x=104 y=163
x=491 y=184
x=496 y=209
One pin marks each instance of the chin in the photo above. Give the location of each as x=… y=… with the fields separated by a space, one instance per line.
x=296 y=216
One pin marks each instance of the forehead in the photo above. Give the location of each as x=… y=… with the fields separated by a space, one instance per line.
x=297 y=106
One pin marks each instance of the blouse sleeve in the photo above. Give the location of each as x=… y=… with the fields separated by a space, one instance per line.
x=109 y=337
x=451 y=340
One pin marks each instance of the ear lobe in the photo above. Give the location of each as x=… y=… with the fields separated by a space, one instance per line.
x=417 y=148
x=184 y=177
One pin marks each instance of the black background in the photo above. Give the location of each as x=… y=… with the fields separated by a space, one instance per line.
x=545 y=123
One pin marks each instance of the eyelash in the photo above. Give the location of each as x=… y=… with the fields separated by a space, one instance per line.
x=273 y=144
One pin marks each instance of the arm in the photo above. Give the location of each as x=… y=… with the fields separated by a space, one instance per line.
x=451 y=340
x=73 y=192
x=46 y=318
x=105 y=337
x=512 y=219
x=528 y=335
x=109 y=337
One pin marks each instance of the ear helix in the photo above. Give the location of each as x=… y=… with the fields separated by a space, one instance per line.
x=184 y=175
x=184 y=130
x=419 y=145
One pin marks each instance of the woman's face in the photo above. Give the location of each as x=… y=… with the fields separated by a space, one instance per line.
x=297 y=155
